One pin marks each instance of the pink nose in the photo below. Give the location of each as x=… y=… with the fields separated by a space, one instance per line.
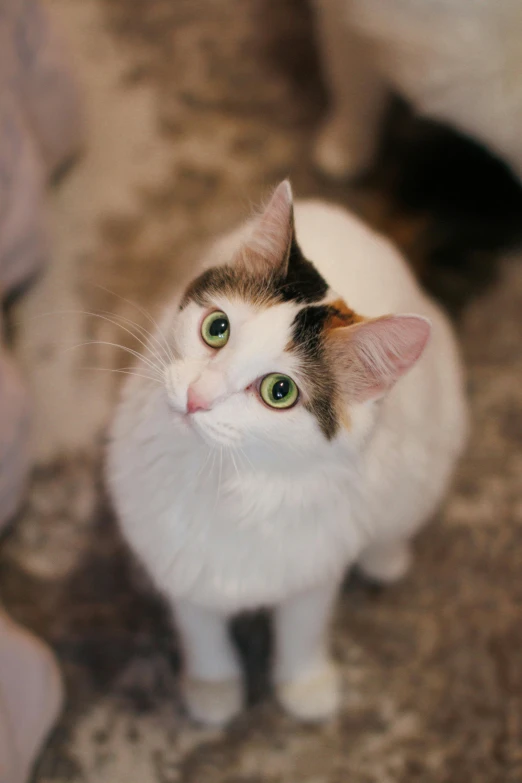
x=195 y=401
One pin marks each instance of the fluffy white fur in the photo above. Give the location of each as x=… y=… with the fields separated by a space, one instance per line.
x=241 y=506
x=455 y=60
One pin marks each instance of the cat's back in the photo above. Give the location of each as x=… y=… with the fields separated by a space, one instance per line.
x=361 y=265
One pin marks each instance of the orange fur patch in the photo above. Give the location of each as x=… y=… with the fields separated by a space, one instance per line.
x=344 y=418
x=341 y=315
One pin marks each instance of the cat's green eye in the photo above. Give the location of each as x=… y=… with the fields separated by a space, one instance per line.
x=278 y=391
x=215 y=329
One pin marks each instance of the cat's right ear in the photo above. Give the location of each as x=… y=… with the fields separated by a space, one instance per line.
x=370 y=357
x=267 y=249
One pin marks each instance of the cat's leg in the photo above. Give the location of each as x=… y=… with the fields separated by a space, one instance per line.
x=213 y=684
x=386 y=562
x=307 y=681
x=347 y=141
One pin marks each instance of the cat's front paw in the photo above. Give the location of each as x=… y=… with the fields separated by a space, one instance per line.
x=213 y=703
x=314 y=696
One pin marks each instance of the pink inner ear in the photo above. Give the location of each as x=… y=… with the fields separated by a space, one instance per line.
x=268 y=246
x=372 y=356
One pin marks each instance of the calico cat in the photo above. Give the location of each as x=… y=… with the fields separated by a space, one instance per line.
x=300 y=410
x=457 y=62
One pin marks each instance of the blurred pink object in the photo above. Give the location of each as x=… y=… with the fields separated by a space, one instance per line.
x=40 y=130
x=23 y=246
x=14 y=436
x=35 y=68
x=31 y=697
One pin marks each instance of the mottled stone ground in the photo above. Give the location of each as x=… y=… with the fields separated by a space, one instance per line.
x=195 y=106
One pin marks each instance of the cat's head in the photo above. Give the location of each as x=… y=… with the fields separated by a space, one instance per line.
x=269 y=359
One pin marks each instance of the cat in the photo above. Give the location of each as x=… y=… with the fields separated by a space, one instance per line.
x=454 y=61
x=276 y=437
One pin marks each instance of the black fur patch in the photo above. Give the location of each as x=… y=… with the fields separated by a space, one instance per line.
x=308 y=326
x=308 y=341
x=302 y=283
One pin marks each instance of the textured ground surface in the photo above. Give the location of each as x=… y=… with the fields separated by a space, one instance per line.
x=195 y=106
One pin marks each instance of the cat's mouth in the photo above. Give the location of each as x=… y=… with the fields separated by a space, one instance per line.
x=220 y=434
x=202 y=423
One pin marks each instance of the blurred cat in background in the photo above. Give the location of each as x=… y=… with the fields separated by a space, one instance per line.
x=455 y=61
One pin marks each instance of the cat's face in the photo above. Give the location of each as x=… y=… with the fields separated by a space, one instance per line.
x=247 y=388
x=268 y=360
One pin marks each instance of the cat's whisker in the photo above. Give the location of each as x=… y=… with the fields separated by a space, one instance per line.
x=239 y=456
x=231 y=454
x=203 y=465
x=149 y=336
x=220 y=474
x=122 y=371
x=245 y=456
x=130 y=351
x=143 y=312
x=104 y=316
x=211 y=473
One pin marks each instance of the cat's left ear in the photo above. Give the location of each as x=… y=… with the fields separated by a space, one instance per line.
x=370 y=357
x=268 y=247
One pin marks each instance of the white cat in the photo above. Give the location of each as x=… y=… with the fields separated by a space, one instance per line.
x=458 y=61
x=277 y=438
